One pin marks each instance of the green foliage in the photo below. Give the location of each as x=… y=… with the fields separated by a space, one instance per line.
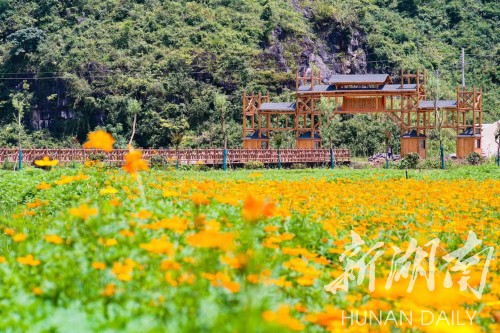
x=96 y=156
x=254 y=165
x=410 y=161
x=26 y=40
x=298 y=166
x=158 y=161
x=474 y=158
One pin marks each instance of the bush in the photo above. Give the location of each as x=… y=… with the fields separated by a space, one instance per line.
x=253 y=165
x=7 y=165
x=97 y=157
x=474 y=158
x=430 y=163
x=201 y=167
x=158 y=161
x=410 y=161
x=298 y=166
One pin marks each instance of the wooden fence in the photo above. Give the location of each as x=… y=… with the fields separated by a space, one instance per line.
x=186 y=156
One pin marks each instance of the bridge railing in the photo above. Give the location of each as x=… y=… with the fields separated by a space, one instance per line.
x=185 y=156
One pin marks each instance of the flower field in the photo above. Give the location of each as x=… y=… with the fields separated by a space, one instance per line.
x=97 y=249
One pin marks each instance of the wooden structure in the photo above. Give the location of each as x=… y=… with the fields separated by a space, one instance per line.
x=186 y=156
x=404 y=103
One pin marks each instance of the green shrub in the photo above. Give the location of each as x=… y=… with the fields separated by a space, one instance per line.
x=298 y=166
x=474 y=158
x=201 y=167
x=253 y=165
x=97 y=157
x=410 y=161
x=158 y=161
x=7 y=165
x=430 y=163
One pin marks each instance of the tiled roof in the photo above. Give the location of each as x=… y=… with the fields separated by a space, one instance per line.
x=286 y=106
x=440 y=104
x=358 y=79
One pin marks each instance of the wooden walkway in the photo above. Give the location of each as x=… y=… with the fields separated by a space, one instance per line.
x=186 y=156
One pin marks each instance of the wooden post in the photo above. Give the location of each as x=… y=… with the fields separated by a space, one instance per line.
x=463 y=69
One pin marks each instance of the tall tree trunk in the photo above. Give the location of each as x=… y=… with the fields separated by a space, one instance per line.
x=134 y=124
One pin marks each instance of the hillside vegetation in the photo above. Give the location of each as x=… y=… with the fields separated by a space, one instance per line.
x=85 y=61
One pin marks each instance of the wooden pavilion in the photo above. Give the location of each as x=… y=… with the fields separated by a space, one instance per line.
x=404 y=103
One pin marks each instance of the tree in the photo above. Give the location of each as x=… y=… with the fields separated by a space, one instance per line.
x=177 y=129
x=20 y=101
x=133 y=108
x=278 y=140
x=328 y=125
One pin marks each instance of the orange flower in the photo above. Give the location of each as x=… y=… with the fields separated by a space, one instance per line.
x=9 y=231
x=99 y=140
x=37 y=291
x=255 y=209
x=199 y=199
x=211 y=239
x=54 y=239
x=159 y=246
x=134 y=162
x=115 y=202
x=43 y=186
x=28 y=260
x=221 y=279
x=109 y=290
x=123 y=271
x=282 y=317
x=98 y=265
x=2 y=259
x=83 y=212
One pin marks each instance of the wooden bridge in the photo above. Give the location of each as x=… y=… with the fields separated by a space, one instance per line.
x=185 y=156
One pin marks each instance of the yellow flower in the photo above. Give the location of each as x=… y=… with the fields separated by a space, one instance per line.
x=54 y=239
x=126 y=233
x=83 y=212
x=99 y=140
x=108 y=190
x=108 y=242
x=28 y=260
x=2 y=259
x=43 y=186
x=19 y=237
x=46 y=162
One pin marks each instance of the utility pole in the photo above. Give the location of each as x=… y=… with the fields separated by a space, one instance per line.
x=463 y=69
